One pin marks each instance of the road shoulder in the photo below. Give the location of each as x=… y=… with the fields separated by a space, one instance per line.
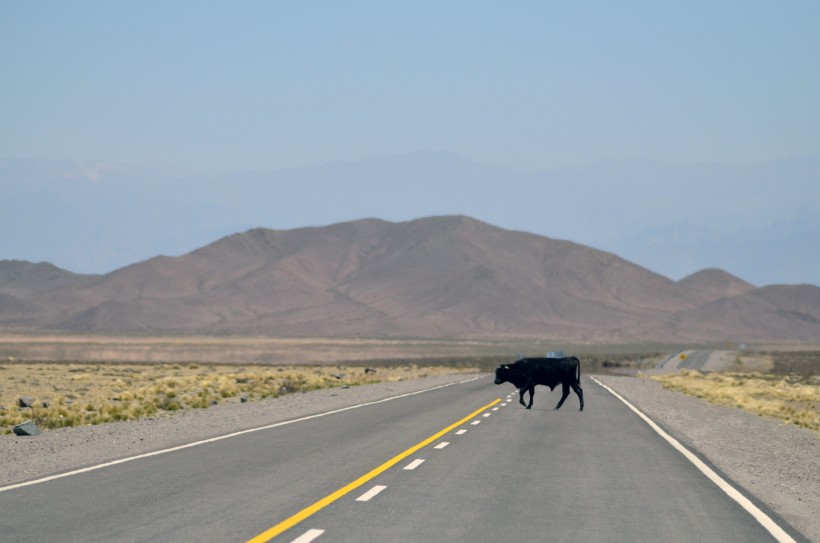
x=24 y=458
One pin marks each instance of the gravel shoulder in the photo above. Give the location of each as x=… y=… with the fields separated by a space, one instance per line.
x=777 y=464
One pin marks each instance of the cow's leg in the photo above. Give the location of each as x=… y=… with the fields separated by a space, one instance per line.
x=521 y=392
x=564 y=394
x=577 y=388
x=532 y=393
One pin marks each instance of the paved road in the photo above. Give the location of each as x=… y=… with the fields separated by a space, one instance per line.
x=694 y=360
x=597 y=475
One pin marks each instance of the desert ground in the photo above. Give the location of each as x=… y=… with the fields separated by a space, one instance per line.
x=64 y=381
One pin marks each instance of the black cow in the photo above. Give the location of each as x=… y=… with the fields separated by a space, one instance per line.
x=528 y=372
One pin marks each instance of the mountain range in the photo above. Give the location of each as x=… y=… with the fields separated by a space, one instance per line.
x=758 y=221
x=436 y=277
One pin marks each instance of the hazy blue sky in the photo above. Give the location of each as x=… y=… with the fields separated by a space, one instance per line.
x=679 y=135
x=219 y=86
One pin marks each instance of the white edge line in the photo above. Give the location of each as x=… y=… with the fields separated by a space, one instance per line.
x=220 y=438
x=308 y=536
x=765 y=520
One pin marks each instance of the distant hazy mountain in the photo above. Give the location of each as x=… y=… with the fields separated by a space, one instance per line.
x=776 y=312
x=713 y=284
x=449 y=276
x=759 y=222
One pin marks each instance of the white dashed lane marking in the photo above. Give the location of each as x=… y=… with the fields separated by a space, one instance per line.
x=414 y=464
x=475 y=422
x=366 y=497
x=308 y=536
x=442 y=445
x=460 y=432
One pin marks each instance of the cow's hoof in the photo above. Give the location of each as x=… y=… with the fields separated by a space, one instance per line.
x=529 y=407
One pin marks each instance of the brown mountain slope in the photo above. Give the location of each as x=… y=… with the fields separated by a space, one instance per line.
x=775 y=312
x=453 y=275
x=712 y=284
x=441 y=276
x=229 y=285
x=433 y=277
x=23 y=279
x=13 y=310
x=23 y=283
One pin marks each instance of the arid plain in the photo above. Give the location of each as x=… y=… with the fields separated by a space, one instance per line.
x=73 y=380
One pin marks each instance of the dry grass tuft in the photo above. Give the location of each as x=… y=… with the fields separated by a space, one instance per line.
x=793 y=398
x=80 y=394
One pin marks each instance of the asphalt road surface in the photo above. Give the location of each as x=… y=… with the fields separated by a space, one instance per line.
x=516 y=475
x=694 y=360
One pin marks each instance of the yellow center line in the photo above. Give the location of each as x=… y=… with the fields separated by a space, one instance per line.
x=288 y=523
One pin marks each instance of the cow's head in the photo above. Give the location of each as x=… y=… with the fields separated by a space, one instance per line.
x=502 y=373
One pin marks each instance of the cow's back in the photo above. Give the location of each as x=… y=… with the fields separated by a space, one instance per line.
x=551 y=371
